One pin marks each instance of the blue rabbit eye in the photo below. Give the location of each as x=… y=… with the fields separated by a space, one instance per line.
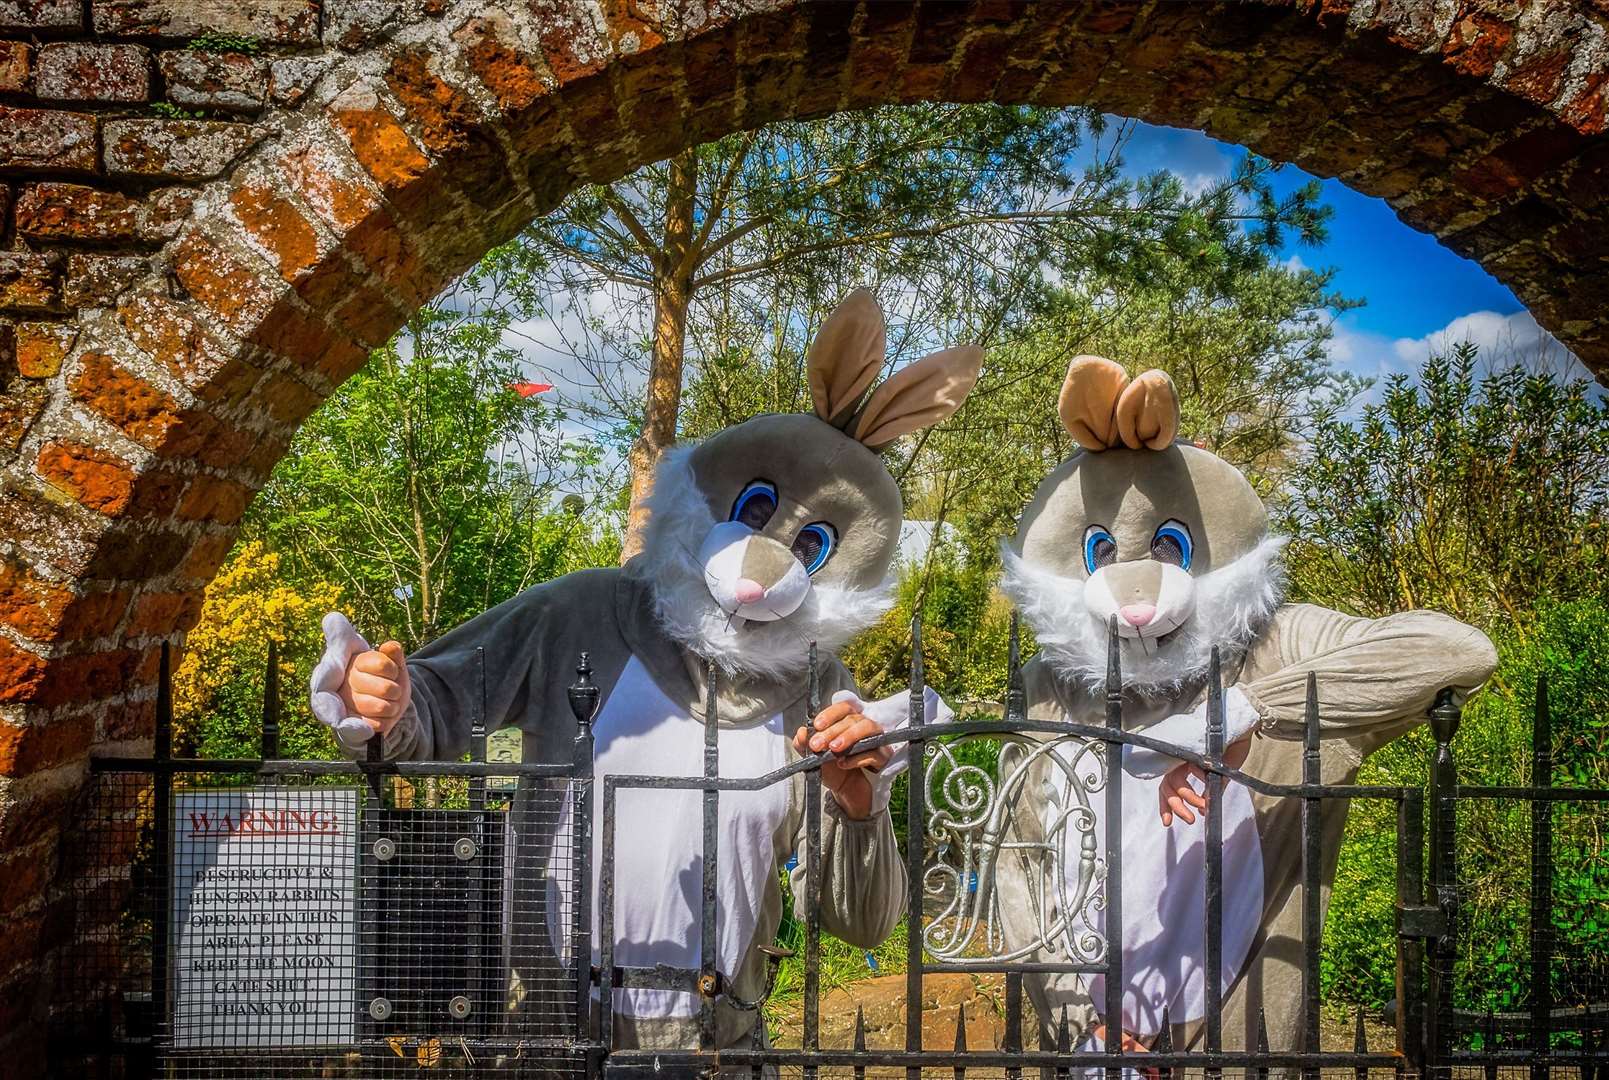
x=1171 y=544
x=1099 y=548
x=756 y=504
x=814 y=544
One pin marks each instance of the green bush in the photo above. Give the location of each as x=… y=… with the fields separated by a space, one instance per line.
x=1493 y=747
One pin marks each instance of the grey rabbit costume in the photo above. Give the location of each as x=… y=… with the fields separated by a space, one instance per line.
x=770 y=534
x=1174 y=542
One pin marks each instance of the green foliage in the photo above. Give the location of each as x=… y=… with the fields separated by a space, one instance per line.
x=1474 y=496
x=170 y=111
x=965 y=631
x=220 y=680
x=214 y=41
x=1493 y=747
x=426 y=487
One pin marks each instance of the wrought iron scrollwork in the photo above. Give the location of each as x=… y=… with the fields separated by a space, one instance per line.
x=970 y=830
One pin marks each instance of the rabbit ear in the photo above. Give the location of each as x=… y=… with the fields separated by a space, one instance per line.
x=1088 y=402
x=919 y=395
x=845 y=357
x=1148 y=412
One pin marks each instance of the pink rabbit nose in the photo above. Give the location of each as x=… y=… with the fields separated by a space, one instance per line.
x=748 y=592
x=1137 y=614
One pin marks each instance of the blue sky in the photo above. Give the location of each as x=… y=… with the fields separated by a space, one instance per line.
x=1417 y=294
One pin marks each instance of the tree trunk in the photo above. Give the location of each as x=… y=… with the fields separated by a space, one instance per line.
x=672 y=295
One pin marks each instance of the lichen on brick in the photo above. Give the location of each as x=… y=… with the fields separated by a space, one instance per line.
x=174 y=149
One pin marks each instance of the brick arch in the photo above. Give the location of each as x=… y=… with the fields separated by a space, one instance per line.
x=179 y=294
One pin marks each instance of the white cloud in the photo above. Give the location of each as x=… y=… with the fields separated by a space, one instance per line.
x=1502 y=340
x=1294 y=264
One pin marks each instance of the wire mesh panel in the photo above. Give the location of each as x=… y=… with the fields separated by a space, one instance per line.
x=296 y=926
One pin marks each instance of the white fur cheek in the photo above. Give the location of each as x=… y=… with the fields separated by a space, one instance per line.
x=721 y=555
x=1175 y=603
x=1102 y=605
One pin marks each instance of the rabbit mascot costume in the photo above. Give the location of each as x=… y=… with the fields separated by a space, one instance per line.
x=769 y=535
x=1174 y=542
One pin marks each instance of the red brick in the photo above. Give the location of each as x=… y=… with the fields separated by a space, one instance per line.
x=28 y=282
x=23 y=874
x=379 y=141
x=46 y=611
x=213 y=499
x=164 y=211
x=58 y=211
x=35 y=747
x=222 y=282
x=279 y=227
x=20 y=406
x=289 y=400
x=446 y=119
x=14 y=61
x=165 y=613
x=94 y=615
x=131 y=720
x=97 y=280
x=367 y=316
x=42 y=346
x=28 y=603
x=1475 y=43
x=203 y=560
x=80 y=71
x=175 y=149
x=514 y=77
x=77 y=678
x=211 y=80
x=47 y=15
x=46 y=139
x=278 y=22
x=144 y=413
x=328 y=185
x=165 y=329
x=156 y=493
x=99 y=480
x=21 y=674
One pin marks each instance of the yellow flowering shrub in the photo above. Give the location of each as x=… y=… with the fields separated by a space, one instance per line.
x=218 y=686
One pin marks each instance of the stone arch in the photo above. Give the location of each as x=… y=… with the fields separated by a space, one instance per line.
x=237 y=272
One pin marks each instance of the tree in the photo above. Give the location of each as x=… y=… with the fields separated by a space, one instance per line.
x=425 y=485
x=1478 y=496
x=219 y=683
x=961 y=212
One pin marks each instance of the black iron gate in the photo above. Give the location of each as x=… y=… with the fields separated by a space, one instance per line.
x=335 y=919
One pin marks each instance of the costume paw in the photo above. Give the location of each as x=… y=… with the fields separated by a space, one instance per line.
x=342 y=643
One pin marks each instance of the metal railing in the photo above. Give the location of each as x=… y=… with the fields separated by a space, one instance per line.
x=468 y=937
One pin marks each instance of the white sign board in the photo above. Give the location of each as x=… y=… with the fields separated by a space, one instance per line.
x=264 y=935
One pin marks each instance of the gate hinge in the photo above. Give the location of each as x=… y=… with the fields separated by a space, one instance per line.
x=1421 y=921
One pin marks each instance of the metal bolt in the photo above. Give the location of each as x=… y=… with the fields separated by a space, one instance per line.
x=385 y=849
x=706 y=984
x=464 y=848
x=380 y=1009
x=458 y=1007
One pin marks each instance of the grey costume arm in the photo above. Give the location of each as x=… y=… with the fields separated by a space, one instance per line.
x=445 y=686
x=1371 y=673
x=863 y=881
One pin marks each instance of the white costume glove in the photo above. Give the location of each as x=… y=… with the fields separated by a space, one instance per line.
x=342 y=644
x=1188 y=732
x=893 y=713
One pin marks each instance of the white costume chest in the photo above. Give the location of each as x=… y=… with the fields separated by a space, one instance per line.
x=1164 y=901
x=658 y=858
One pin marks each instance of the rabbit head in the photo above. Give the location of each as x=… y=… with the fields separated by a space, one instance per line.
x=1165 y=536
x=781 y=530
